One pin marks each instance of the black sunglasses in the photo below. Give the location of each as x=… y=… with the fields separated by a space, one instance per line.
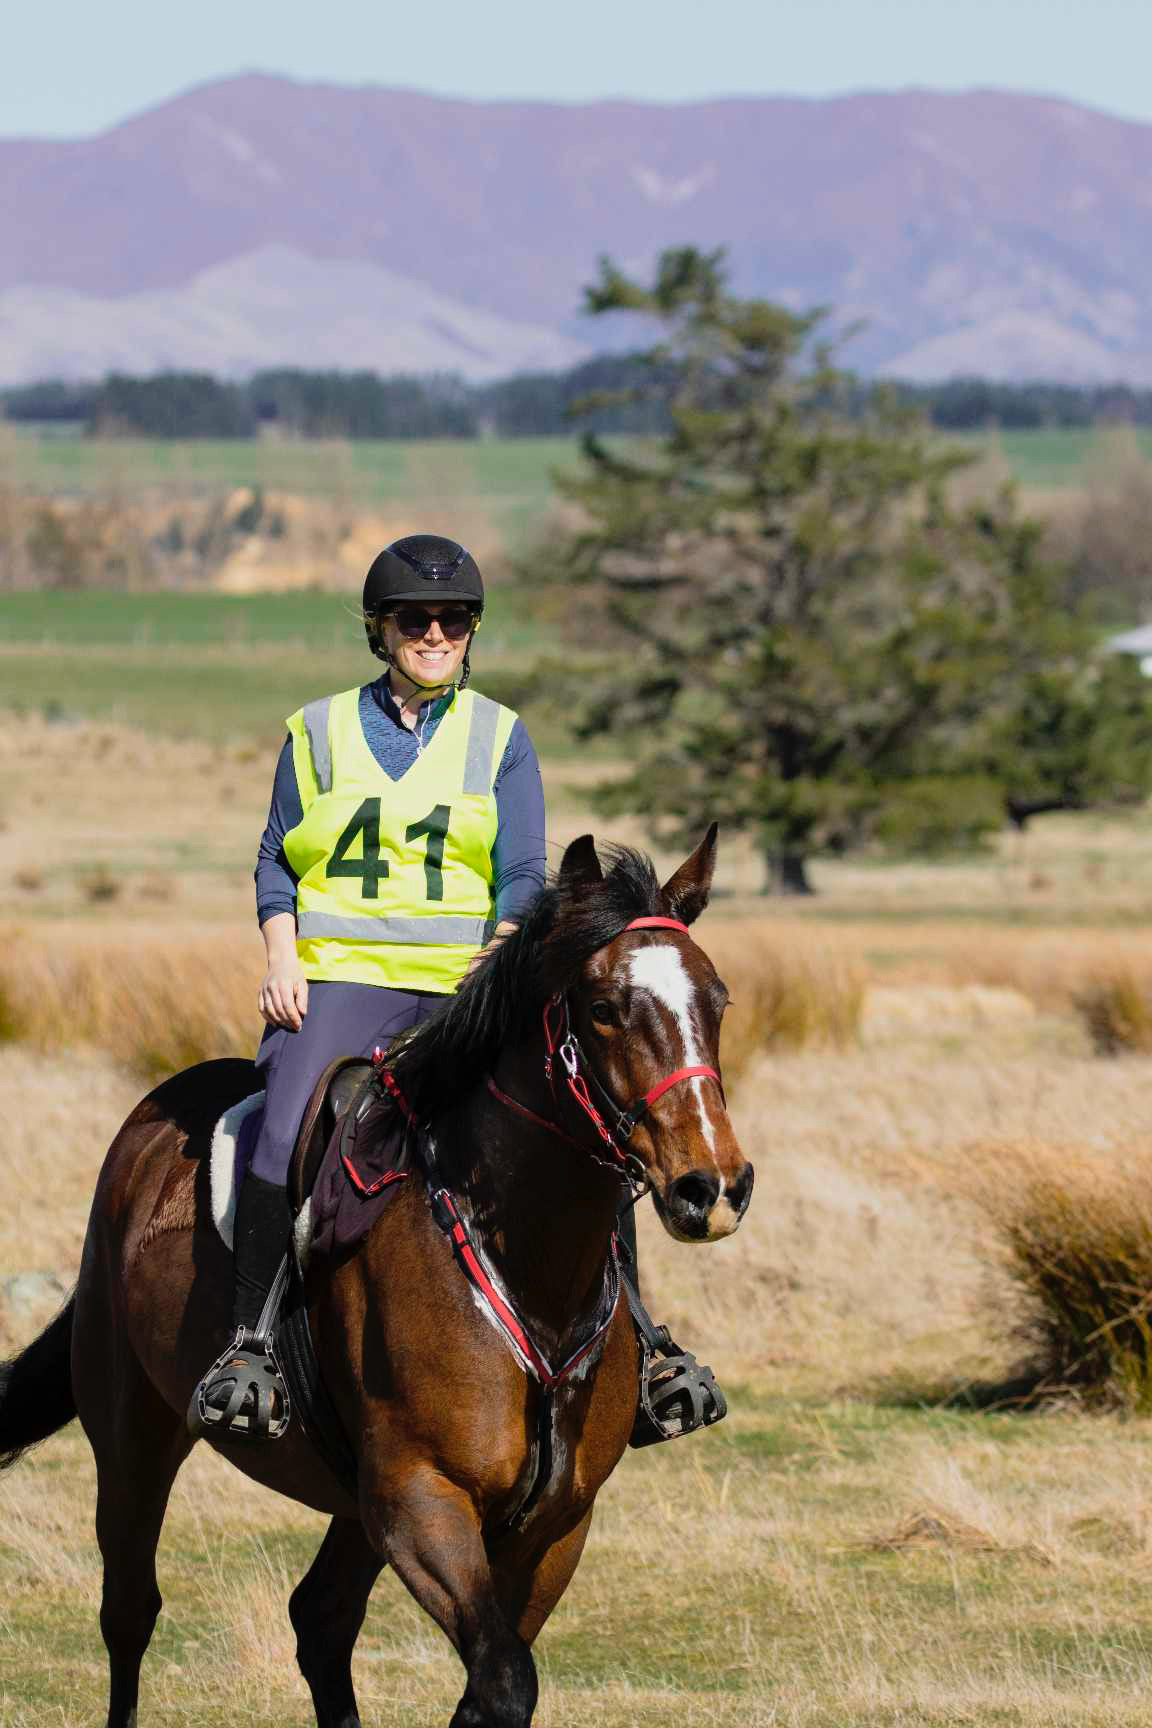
x=413 y=621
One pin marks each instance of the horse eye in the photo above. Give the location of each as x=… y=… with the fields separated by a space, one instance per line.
x=602 y=1012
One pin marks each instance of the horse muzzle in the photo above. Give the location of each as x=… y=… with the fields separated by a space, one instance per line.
x=701 y=1207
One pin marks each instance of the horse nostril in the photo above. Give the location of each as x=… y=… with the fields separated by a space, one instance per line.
x=696 y=1192
x=739 y=1192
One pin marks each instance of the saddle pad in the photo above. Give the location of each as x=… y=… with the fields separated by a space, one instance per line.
x=232 y=1141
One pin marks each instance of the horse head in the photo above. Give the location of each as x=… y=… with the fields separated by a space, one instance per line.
x=645 y=1006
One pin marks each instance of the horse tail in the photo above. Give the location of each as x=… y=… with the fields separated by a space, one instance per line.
x=36 y=1388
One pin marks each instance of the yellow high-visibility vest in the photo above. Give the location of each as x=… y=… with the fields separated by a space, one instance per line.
x=395 y=876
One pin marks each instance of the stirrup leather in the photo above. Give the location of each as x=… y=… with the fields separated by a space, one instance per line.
x=677 y=1394
x=243 y=1394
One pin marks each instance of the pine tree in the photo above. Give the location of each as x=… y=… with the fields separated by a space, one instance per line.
x=810 y=641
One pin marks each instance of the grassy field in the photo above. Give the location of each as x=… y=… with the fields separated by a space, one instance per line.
x=847 y=1549
x=215 y=666
x=514 y=474
x=121 y=697
x=364 y=470
x=853 y=1548
x=1055 y=456
x=143 y=623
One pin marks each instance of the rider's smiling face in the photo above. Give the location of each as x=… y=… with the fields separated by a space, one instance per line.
x=432 y=658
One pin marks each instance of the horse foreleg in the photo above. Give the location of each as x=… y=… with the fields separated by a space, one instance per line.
x=430 y=1532
x=327 y=1611
x=528 y=1589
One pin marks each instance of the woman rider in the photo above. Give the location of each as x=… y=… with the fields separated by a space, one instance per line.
x=407 y=816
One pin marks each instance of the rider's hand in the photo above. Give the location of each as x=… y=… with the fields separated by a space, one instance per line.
x=284 y=994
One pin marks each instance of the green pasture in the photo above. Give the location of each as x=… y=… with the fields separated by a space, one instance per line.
x=1054 y=457
x=789 y=1568
x=218 y=666
x=321 y=622
x=366 y=470
x=511 y=475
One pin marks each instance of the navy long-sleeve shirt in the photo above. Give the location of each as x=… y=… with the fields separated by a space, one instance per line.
x=518 y=850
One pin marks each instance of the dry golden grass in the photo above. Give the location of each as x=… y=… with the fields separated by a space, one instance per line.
x=152 y=1006
x=832 y=1554
x=851 y=1556
x=174 y=823
x=154 y=1003
x=788 y=992
x=1072 y=1223
x=59 y=1115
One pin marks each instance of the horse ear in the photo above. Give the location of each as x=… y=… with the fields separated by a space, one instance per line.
x=580 y=866
x=687 y=891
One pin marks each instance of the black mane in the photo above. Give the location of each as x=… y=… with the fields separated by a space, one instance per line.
x=458 y=1044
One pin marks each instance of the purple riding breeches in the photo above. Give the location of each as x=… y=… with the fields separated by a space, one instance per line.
x=342 y=1020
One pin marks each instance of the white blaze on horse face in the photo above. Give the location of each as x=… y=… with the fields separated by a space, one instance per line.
x=659 y=969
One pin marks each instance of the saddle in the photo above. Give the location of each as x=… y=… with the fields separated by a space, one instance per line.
x=353 y=1149
x=332 y=1096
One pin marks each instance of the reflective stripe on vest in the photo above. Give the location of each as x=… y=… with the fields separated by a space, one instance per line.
x=481 y=737
x=315 y=718
x=448 y=927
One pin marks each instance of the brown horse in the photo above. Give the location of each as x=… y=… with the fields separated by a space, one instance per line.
x=441 y=1414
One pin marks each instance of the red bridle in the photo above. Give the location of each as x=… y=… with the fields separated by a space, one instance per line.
x=580 y=1076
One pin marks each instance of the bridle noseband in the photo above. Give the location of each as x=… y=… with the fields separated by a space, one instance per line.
x=614 y=1126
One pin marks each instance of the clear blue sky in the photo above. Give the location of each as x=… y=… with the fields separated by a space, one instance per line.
x=68 y=69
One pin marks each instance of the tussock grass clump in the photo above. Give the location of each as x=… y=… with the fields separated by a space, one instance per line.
x=152 y=1006
x=785 y=996
x=1116 y=1009
x=1075 y=1230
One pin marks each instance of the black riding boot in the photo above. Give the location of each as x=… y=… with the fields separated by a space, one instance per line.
x=677 y=1394
x=243 y=1394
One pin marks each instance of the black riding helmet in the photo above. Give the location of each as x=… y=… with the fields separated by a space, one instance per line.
x=426 y=567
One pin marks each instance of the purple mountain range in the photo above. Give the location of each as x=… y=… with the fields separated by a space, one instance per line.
x=259 y=220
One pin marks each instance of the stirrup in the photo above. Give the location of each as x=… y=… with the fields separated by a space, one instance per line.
x=677 y=1393
x=243 y=1394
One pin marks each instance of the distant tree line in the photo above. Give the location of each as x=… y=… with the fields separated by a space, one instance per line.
x=612 y=393
x=600 y=395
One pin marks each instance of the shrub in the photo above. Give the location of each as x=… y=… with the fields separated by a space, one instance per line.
x=1116 y=1008
x=1075 y=1228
